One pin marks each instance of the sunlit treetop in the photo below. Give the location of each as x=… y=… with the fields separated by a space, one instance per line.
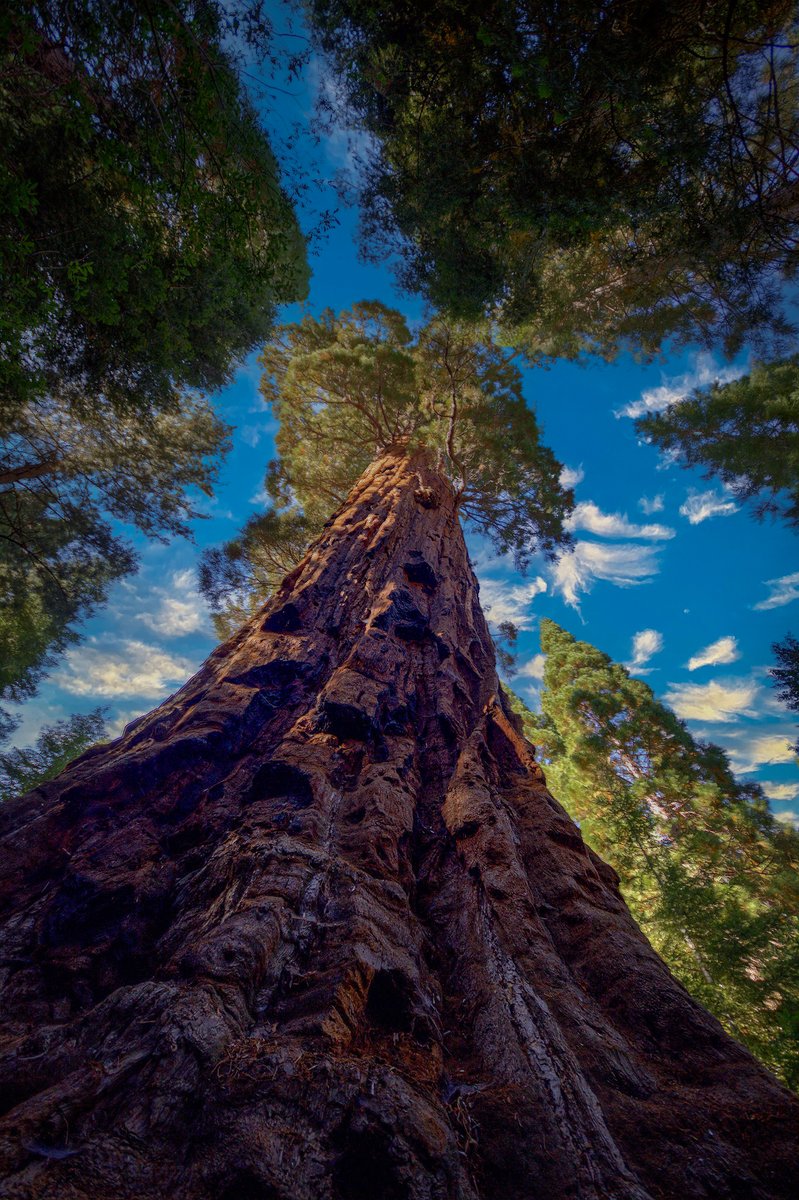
x=595 y=174
x=344 y=388
x=347 y=387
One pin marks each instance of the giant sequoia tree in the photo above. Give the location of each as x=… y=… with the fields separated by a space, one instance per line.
x=315 y=928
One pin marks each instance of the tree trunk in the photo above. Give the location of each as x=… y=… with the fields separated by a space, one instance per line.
x=315 y=930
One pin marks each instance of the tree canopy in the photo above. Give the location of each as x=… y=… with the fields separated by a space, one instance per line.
x=745 y=432
x=344 y=388
x=708 y=873
x=145 y=238
x=595 y=174
x=66 y=476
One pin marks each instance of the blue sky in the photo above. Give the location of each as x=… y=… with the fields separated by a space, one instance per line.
x=667 y=575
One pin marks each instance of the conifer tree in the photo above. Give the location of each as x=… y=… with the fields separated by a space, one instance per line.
x=593 y=174
x=145 y=235
x=786 y=674
x=345 y=388
x=57 y=745
x=745 y=433
x=710 y=876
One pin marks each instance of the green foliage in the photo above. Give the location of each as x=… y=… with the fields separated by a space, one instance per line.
x=745 y=432
x=63 y=473
x=786 y=675
x=239 y=576
x=145 y=238
x=598 y=173
x=709 y=875
x=56 y=746
x=345 y=388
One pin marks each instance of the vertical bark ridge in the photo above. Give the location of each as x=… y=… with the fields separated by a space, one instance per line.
x=314 y=929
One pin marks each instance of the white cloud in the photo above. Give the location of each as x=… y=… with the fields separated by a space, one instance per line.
x=699 y=506
x=780 y=791
x=649 y=505
x=534 y=669
x=725 y=650
x=129 y=668
x=714 y=701
x=750 y=748
x=181 y=607
x=116 y=726
x=571 y=476
x=345 y=146
x=670 y=457
x=625 y=565
x=783 y=591
x=251 y=434
x=705 y=371
x=589 y=516
x=261 y=497
x=789 y=817
x=646 y=643
x=502 y=601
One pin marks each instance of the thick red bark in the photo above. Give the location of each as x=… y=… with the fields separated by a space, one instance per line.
x=315 y=930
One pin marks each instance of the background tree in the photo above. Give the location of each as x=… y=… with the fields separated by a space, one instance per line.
x=709 y=875
x=56 y=746
x=786 y=675
x=745 y=433
x=344 y=388
x=64 y=476
x=145 y=242
x=145 y=238
x=596 y=173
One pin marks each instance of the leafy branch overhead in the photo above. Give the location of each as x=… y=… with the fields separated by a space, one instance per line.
x=745 y=432
x=597 y=175
x=344 y=388
x=145 y=237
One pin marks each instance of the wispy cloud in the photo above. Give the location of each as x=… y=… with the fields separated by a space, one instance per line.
x=625 y=565
x=589 y=517
x=125 y=668
x=788 y=817
x=699 y=506
x=780 y=791
x=533 y=668
x=725 y=650
x=705 y=371
x=646 y=644
x=715 y=701
x=749 y=753
x=653 y=504
x=571 y=476
x=181 y=608
x=502 y=601
x=783 y=591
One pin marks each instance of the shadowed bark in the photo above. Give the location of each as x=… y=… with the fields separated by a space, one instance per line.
x=315 y=930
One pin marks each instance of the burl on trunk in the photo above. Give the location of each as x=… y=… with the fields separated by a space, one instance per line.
x=315 y=930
